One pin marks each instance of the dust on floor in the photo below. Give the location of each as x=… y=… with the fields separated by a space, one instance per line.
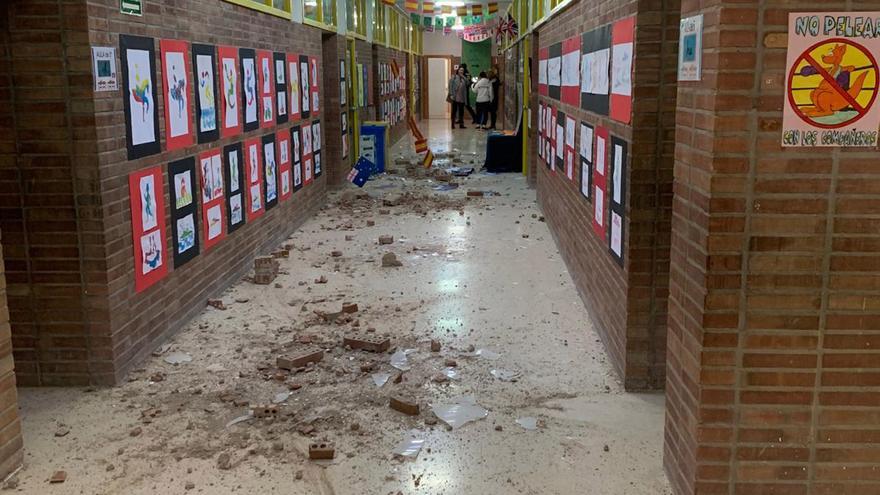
x=479 y=276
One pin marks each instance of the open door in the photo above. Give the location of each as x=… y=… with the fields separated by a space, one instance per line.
x=439 y=73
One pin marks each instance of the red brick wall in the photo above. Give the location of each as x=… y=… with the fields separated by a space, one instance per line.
x=634 y=333
x=138 y=322
x=773 y=368
x=337 y=168
x=49 y=203
x=10 y=427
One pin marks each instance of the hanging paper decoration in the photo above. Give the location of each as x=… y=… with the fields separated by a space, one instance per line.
x=461 y=11
x=571 y=74
x=139 y=87
x=586 y=155
x=316 y=147
x=313 y=64
x=211 y=181
x=176 y=88
x=616 y=199
x=282 y=141
x=305 y=86
x=477 y=9
x=446 y=10
x=427 y=7
x=267 y=88
x=389 y=2
x=296 y=157
x=450 y=21
x=293 y=82
x=184 y=225
x=493 y=7
x=595 y=65
x=204 y=67
x=415 y=19
x=254 y=179
x=230 y=89
x=438 y=22
x=280 y=87
x=429 y=24
x=411 y=5
x=308 y=164
x=147 y=226
x=512 y=27
x=249 y=96
x=599 y=182
x=622 y=34
x=270 y=171
x=234 y=180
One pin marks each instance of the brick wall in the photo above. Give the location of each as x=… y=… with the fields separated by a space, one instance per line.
x=773 y=317
x=334 y=51
x=49 y=205
x=10 y=427
x=138 y=322
x=634 y=333
x=384 y=55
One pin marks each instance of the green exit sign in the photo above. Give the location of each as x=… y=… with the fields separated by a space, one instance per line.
x=132 y=7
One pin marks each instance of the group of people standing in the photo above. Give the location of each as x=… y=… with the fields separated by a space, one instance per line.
x=486 y=89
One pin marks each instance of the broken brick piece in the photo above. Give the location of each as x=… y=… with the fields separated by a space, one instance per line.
x=475 y=194
x=265 y=270
x=281 y=253
x=386 y=239
x=216 y=303
x=365 y=343
x=406 y=406
x=435 y=345
x=264 y=410
x=336 y=254
x=299 y=359
x=348 y=307
x=371 y=223
x=323 y=450
x=58 y=477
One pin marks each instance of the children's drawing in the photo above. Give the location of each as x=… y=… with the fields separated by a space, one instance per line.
x=178 y=119
x=215 y=221
x=141 y=97
x=235 y=210
x=234 y=181
x=285 y=183
x=250 y=90
x=148 y=202
x=271 y=167
x=207 y=108
x=183 y=189
x=230 y=78
x=254 y=164
x=256 y=199
x=186 y=233
x=151 y=251
x=267 y=79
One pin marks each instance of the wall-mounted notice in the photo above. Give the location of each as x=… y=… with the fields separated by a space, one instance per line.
x=617 y=198
x=690 y=48
x=599 y=181
x=831 y=84
x=104 y=65
x=586 y=152
x=571 y=71
x=595 y=65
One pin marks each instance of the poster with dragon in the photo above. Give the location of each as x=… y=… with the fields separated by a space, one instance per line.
x=148 y=227
x=280 y=87
x=293 y=85
x=184 y=221
x=139 y=95
x=270 y=169
x=230 y=88
x=205 y=69
x=176 y=89
x=249 y=96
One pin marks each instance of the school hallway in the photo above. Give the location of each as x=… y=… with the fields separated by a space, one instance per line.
x=521 y=342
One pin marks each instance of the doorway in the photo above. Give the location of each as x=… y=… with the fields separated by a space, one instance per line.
x=439 y=70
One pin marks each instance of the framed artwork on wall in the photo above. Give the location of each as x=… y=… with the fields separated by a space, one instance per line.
x=139 y=95
x=205 y=72
x=183 y=191
x=235 y=182
x=176 y=89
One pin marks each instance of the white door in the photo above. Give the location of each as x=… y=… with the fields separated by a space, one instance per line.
x=438 y=80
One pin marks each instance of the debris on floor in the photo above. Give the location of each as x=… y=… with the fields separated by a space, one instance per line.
x=460 y=412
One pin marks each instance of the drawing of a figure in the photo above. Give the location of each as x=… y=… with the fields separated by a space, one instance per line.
x=826 y=99
x=229 y=73
x=141 y=93
x=249 y=85
x=152 y=256
x=148 y=205
x=178 y=87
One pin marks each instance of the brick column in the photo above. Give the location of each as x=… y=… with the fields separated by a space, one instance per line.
x=333 y=48
x=773 y=377
x=10 y=427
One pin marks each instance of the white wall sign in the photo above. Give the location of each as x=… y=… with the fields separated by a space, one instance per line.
x=104 y=65
x=690 y=48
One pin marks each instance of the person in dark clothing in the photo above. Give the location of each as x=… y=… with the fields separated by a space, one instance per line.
x=458 y=88
x=467 y=101
x=493 y=105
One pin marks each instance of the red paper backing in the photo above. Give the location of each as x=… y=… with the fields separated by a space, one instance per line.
x=184 y=140
x=141 y=281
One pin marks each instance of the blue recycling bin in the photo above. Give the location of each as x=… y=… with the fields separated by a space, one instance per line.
x=374 y=144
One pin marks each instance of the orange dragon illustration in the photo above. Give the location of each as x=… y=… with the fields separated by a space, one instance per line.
x=826 y=99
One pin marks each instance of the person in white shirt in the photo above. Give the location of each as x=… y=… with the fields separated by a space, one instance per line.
x=483 y=90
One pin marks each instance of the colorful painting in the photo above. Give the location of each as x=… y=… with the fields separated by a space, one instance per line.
x=147 y=227
x=178 y=133
x=182 y=189
x=249 y=96
x=184 y=226
x=255 y=178
x=204 y=68
x=211 y=172
x=138 y=76
x=230 y=102
x=622 y=36
x=304 y=85
x=234 y=177
x=293 y=88
x=186 y=233
x=296 y=157
x=280 y=60
x=832 y=80
x=267 y=86
x=270 y=171
x=313 y=63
